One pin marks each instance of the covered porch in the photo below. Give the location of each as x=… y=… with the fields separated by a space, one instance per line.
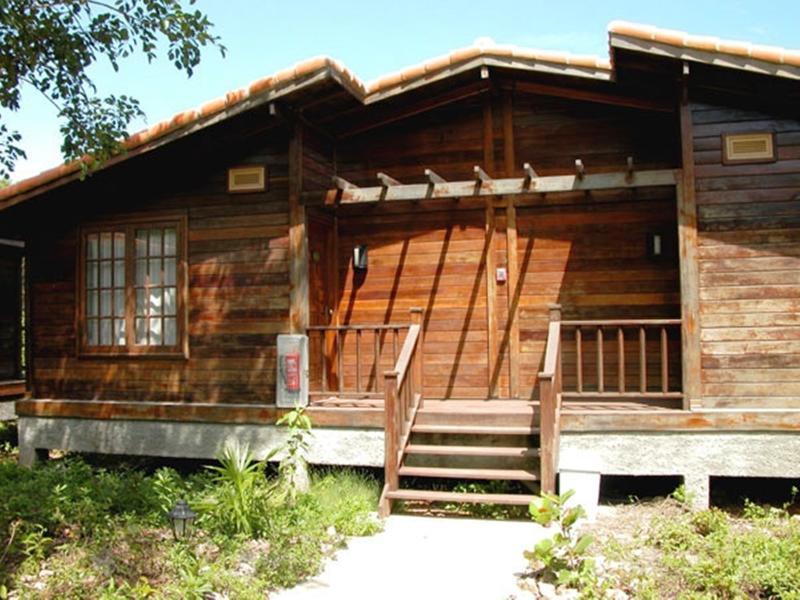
x=539 y=298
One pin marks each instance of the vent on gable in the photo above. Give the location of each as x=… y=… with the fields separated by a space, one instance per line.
x=247 y=179
x=748 y=147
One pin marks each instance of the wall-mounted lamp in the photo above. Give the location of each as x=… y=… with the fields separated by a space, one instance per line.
x=655 y=245
x=360 y=257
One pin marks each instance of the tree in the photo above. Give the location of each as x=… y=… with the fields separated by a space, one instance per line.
x=50 y=44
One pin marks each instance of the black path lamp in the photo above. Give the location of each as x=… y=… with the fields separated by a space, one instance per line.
x=182 y=517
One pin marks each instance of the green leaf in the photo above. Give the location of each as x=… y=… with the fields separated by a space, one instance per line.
x=582 y=544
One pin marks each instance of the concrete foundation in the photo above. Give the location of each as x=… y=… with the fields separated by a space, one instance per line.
x=329 y=446
x=695 y=456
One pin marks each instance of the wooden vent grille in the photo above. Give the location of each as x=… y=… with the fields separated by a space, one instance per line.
x=748 y=147
x=247 y=179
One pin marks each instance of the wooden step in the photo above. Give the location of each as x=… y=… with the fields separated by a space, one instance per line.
x=498 y=451
x=474 y=429
x=431 y=496
x=467 y=473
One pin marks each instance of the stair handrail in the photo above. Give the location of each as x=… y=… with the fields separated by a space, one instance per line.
x=550 y=402
x=403 y=390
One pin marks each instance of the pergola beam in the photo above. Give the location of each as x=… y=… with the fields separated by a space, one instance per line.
x=441 y=189
x=387 y=180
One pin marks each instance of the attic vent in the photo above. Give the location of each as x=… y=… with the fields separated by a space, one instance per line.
x=748 y=147
x=246 y=179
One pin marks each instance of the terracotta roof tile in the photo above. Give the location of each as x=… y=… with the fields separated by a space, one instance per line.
x=440 y=64
x=681 y=39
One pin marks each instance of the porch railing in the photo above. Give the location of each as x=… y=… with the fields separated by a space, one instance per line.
x=626 y=358
x=347 y=359
x=651 y=371
x=402 y=399
x=550 y=383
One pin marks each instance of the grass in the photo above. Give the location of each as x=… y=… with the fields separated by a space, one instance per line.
x=663 y=550
x=69 y=526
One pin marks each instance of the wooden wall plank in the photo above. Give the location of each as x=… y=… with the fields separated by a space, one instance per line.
x=298 y=242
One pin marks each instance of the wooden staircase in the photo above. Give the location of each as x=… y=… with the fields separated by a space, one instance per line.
x=449 y=442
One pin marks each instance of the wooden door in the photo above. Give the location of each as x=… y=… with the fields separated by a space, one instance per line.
x=322 y=277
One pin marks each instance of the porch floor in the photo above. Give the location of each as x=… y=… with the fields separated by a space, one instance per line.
x=455 y=405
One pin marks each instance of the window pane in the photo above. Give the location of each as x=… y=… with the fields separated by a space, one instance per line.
x=119 y=245
x=141 y=272
x=170 y=332
x=91 y=274
x=105 y=273
x=91 y=304
x=119 y=303
x=170 y=306
x=155 y=242
x=141 y=331
x=170 y=273
x=155 y=271
x=155 y=332
x=105 y=332
x=105 y=245
x=170 y=242
x=155 y=301
x=141 y=302
x=91 y=246
x=119 y=273
x=105 y=303
x=91 y=332
x=141 y=242
x=119 y=332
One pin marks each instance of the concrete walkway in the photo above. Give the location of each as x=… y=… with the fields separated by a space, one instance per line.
x=422 y=558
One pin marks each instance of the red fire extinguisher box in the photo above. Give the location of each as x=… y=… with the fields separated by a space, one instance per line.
x=292 y=376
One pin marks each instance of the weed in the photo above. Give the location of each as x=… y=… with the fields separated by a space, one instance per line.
x=562 y=557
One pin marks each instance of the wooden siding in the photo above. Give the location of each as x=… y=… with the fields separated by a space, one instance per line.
x=586 y=251
x=749 y=249
x=238 y=298
x=10 y=281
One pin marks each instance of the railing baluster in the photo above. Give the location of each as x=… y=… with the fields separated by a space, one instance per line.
x=579 y=357
x=358 y=360
x=394 y=345
x=621 y=360
x=600 y=374
x=664 y=361
x=377 y=358
x=339 y=362
x=642 y=360
x=323 y=342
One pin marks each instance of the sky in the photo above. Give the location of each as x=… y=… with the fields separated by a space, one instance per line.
x=375 y=37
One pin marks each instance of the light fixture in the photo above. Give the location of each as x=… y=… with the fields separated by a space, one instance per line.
x=182 y=518
x=360 y=257
x=655 y=245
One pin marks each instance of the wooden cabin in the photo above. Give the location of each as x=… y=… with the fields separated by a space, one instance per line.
x=508 y=263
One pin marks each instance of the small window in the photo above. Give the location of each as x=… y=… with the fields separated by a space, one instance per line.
x=247 y=179
x=132 y=282
x=748 y=147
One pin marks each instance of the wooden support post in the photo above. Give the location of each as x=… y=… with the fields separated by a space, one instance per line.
x=512 y=255
x=688 y=259
x=298 y=242
x=391 y=437
x=489 y=240
x=629 y=172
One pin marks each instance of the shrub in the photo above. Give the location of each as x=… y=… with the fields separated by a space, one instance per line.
x=237 y=503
